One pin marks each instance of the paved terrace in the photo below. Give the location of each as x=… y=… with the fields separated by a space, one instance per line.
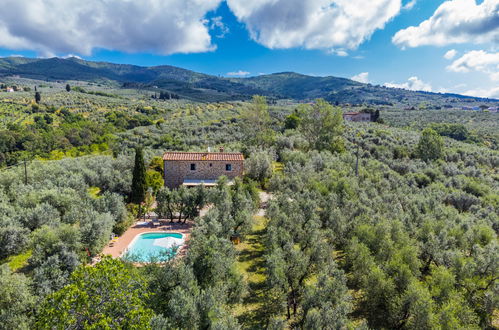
x=115 y=250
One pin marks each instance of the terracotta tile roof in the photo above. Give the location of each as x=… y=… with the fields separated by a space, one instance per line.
x=214 y=156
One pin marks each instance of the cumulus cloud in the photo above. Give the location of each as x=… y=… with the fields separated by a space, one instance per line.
x=455 y=21
x=413 y=84
x=361 y=77
x=313 y=24
x=75 y=26
x=484 y=92
x=239 y=73
x=450 y=54
x=477 y=60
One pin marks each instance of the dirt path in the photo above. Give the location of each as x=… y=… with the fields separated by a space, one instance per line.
x=265 y=197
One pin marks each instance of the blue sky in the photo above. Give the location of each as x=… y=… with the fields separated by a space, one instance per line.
x=393 y=42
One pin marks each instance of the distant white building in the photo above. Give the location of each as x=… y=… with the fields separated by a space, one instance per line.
x=10 y=90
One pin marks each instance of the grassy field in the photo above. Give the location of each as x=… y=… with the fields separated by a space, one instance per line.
x=19 y=261
x=251 y=264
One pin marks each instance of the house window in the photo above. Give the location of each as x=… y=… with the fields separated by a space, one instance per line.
x=193 y=167
x=228 y=167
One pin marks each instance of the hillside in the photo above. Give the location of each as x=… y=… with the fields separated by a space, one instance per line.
x=207 y=88
x=407 y=237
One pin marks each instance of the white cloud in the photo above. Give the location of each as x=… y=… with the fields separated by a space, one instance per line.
x=218 y=25
x=483 y=92
x=477 y=60
x=361 y=77
x=450 y=54
x=455 y=21
x=313 y=24
x=239 y=73
x=339 y=52
x=72 y=56
x=410 y=5
x=75 y=26
x=413 y=84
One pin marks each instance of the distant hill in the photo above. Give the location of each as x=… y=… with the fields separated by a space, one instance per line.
x=202 y=87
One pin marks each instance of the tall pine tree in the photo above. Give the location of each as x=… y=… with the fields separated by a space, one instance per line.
x=139 y=178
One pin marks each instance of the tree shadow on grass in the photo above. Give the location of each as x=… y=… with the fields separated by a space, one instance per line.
x=254 y=315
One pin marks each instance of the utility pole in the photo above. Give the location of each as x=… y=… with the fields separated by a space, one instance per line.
x=357 y=162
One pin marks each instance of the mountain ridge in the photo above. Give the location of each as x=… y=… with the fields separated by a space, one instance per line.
x=204 y=87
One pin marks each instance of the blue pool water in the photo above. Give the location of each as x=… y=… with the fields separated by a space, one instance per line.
x=154 y=247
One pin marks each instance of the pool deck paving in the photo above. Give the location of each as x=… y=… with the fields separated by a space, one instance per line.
x=119 y=245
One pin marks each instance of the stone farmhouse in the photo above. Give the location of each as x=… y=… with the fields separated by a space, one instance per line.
x=357 y=116
x=195 y=168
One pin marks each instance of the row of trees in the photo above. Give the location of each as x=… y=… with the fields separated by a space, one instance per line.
x=52 y=224
x=409 y=242
x=49 y=133
x=165 y=96
x=304 y=282
x=192 y=292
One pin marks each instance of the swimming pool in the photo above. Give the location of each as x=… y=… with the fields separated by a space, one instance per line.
x=154 y=247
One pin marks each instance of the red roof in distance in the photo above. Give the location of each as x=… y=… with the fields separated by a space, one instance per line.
x=200 y=156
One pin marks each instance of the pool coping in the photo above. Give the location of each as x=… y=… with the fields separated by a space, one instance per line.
x=154 y=232
x=122 y=242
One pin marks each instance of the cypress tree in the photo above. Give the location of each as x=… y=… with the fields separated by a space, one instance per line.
x=139 y=178
x=68 y=88
x=38 y=97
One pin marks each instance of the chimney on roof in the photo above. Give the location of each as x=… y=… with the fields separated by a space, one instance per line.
x=222 y=149
x=209 y=149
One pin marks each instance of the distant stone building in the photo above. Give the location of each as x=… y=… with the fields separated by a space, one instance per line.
x=357 y=116
x=195 y=168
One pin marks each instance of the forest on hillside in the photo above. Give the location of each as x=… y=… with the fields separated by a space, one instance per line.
x=383 y=225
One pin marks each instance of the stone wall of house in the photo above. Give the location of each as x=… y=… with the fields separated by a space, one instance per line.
x=359 y=117
x=176 y=171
